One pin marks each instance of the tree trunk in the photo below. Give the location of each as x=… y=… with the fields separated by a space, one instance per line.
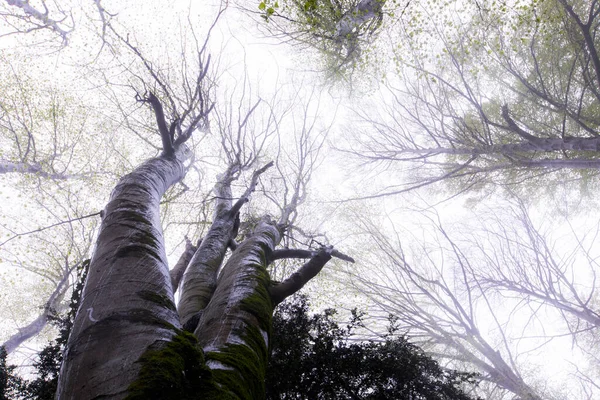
x=235 y=327
x=126 y=304
x=363 y=12
x=200 y=278
x=128 y=339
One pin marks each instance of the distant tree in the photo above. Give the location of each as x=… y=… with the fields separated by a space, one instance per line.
x=512 y=97
x=478 y=292
x=341 y=31
x=50 y=358
x=313 y=357
x=47 y=366
x=50 y=22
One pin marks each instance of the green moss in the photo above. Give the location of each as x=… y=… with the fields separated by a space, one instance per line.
x=157 y=298
x=176 y=371
x=259 y=304
x=247 y=381
x=250 y=360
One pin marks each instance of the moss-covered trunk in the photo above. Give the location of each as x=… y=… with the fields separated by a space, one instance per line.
x=128 y=340
x=234 y=329
x=126 y=304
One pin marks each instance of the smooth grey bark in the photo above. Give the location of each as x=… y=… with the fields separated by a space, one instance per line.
x=26 y=332
x=238 y=281
x=234 y=329
x=179 y=268
x=127 y=307
x=7 y=167
x=126 y=304
x=352 y=20
x=200 y=278
x=298 y=279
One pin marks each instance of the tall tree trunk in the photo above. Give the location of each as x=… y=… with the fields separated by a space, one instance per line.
x=200 y=278
x=126 y=305
x=235 y=327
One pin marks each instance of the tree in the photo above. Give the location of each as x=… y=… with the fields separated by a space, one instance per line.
x=313 y=357
x=486 y=295
x=128 y=335
x=43 y=133
x=24 y=17
x=10 y=384
x=35 y=327
x=510 y=98
x=47 y=366
x=341 y=32
x=328 y=361
x=50 y=22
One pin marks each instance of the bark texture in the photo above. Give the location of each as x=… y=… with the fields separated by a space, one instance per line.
x=364 y=11
x=128 y=341
x=126 y=305
x=181 y=266
x=234 y=329
x=200 y=278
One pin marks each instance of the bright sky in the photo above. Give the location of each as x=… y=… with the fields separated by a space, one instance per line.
x=270 y=66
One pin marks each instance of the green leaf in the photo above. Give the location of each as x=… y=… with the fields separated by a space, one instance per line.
x=262 y=6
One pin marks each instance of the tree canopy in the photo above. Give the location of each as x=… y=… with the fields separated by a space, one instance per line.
x=313 y=357
x=207 y=161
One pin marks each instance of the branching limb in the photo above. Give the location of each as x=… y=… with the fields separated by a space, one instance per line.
x=165 y=133
x=246 y=196
x=295 y=282
x=41 y=19
x=179 y=269
x=516 y=129
x=299 y=253
x=36 y=326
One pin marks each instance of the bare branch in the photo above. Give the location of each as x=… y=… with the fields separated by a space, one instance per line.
x=253 y=182
x=49 y=227
x=165 y=134
x=295 y=282
x=299 y=253
x=179 y=269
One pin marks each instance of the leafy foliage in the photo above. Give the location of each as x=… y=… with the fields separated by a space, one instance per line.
x=342 y=32
x=314 y=358
x=10 y=384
